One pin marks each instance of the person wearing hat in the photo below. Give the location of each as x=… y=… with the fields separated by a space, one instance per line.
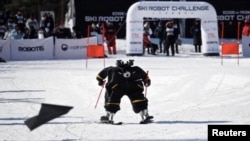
x=124 y=79
x=169 y=38
x=246 y=28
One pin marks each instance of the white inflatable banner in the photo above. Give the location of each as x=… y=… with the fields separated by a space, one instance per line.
x=162 y=9
x=32 y=49
x=245 y=46
x=72 y=48
x=5 y=49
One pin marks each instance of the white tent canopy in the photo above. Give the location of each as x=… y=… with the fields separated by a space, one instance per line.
x=160 y=9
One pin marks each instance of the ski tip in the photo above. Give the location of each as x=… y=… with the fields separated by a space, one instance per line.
x=118 y=123
x=111 y=123
x=146 y=121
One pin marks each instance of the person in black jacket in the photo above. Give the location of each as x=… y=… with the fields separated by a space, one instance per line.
x=176 y=34
x=169 y=38
x=159 y=33
x=124 y=79
x=195 y=30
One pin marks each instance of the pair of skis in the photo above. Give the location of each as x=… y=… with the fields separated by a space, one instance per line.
x=148 y=120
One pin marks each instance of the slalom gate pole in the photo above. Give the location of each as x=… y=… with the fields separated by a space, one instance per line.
x=146 y=87
x=99 y=94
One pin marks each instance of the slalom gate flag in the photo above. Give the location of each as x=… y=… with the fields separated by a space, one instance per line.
x=95 y=51
x=230 y=48
x=47 y=113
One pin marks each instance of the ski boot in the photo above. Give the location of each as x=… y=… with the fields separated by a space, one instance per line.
x=107 y=118
x=146 y=118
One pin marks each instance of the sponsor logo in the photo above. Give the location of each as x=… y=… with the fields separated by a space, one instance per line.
x=65 y=47
x=212 y=42
x=31 y=49
x=135 y=35
x=136 y=22
x=173 y=8
x=211 y=35
x=135 y=43
x=208 y=22
x=104 y=18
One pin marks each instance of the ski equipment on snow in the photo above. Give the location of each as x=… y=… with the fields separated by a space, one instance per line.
x=147 y=120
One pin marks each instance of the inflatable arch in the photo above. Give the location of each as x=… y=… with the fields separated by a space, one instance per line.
x=162 y=9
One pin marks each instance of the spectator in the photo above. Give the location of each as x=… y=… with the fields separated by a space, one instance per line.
x=195 y=30
x=176 y=35
x=32 y=22
x=19 y=19
x=246 y=28
x=110 y=37
x=31 y=33
x=148 y=31
x=49 y=24
x=169 y=38
x=16 y=33
x=11 y=24
x=151 y=47
x=159 y=33
x=7 y=33
x=76 y=33
x=96 y=31
x=43 y=20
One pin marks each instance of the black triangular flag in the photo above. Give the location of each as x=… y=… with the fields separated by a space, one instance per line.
x=47 y=113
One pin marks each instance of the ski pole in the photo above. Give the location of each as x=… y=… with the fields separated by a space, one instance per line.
x=146 y=87
x=99 y=95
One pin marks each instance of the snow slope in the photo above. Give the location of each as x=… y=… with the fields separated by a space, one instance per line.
x=189 y=92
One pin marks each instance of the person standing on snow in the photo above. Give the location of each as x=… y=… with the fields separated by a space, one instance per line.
x=176 y=35
x=159 y=33
x=110 y=37
x=246 y=28
x=124 y=79
x=169 y=38
x=195 y=31
x=151 y=47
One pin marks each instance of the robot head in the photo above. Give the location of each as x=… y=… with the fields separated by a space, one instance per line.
x=119 y=63
x=130 y=63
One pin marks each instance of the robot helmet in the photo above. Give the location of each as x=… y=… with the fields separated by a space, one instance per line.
x=130 y=63
x=119 y=63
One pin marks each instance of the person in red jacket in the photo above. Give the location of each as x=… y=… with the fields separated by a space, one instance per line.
x=246 y=28
x=151 y=47
x=110 y=37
